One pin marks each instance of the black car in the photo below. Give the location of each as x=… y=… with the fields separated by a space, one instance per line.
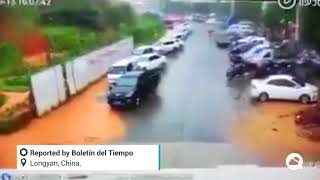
x=133 y=87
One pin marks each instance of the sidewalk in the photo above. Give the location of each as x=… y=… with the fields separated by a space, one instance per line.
x=86 y=119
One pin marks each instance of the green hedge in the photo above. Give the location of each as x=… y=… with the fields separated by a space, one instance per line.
x=10 y=59
x=16 y=84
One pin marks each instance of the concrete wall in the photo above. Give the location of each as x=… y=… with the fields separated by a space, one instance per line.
x=49 y=87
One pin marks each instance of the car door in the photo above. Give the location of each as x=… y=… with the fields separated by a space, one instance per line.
x=283 y=89
x=292 y=90
x=274 y=89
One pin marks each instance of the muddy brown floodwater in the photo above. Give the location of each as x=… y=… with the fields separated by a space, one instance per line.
x=268 y=130
x=84 y=120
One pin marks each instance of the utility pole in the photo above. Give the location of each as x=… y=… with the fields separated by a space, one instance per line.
x=233 y=6
x=297 y=24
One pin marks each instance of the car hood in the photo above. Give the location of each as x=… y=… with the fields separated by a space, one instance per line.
x=122 y=90
x=311 y=87
x=143 y=63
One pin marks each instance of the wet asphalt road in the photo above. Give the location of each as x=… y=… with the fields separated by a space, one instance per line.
x=193 y=102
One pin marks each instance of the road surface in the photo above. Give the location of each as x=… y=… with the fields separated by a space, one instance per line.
x=194 y=102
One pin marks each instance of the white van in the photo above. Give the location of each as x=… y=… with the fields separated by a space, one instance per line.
x=120 y=68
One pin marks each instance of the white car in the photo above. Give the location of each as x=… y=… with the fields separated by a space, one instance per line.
x=152 y=61
x=252 y=39
x=283 y=87
x=211 y=21
x=239 y=29
x=261 y=57
x=142 y=50
x=167 y=46
x=180 y=43
x=179 y=35
x=253 y=51
x=118 y=69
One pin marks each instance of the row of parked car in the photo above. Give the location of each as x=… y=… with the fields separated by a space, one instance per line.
x=132 y=79
x=272 y=72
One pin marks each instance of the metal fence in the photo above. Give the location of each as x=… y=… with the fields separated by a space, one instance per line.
x=49 y=87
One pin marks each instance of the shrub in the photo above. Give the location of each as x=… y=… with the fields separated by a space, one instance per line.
x=64 y=39
x=16 y=84
x=148 y=29
x=10 y=58
x=18 y=81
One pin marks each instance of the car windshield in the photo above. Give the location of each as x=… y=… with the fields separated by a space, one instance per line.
x=258 y=50
x=168 y=43
x=127 y=81
x=117 y=70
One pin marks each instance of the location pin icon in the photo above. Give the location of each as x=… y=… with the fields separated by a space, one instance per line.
x=23 y=162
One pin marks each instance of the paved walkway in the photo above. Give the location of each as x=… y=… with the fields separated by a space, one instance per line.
x=85 y=119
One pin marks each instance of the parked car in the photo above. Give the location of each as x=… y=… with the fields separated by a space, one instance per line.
x=180 y=43
x=133 y=87
x=222 y=39
x=142 y=50
x=211 y=21
x=152 y=61
x=254 y=51
x=241 y=48
x=260 y=57
x=283 y=87
x=240 y=29
x=185 y=29
x=167 y=46
x=120 y=68
x=250 y=40
x=179 y=35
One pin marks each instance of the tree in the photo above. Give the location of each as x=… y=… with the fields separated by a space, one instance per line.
x=310 y=25
x=274 y=15
x=249 y=10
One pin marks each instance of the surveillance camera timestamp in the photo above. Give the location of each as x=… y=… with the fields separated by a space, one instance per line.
x=25 y=2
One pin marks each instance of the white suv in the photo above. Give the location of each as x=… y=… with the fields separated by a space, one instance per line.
x=283 y=87
x=167 y=46
x=152 y=61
